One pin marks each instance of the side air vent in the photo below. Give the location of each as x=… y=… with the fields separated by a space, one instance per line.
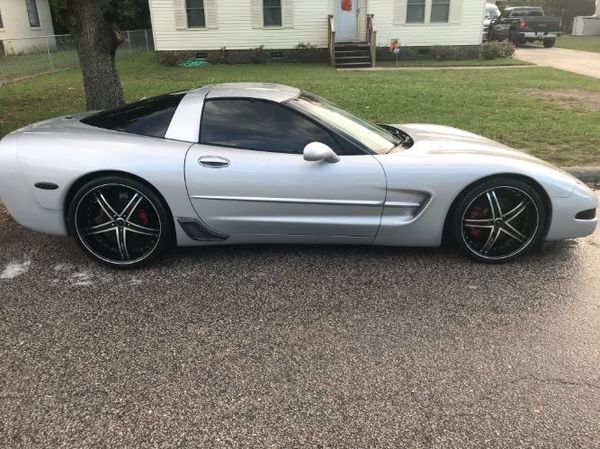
x=46 y=186
x=198 y=231
x=589 y=214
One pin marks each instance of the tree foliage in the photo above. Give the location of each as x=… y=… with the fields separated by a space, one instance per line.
x=126 y=14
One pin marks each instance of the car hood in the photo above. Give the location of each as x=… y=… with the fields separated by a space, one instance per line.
x=437 y=139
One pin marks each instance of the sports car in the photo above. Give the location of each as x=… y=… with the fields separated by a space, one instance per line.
x=266 y=163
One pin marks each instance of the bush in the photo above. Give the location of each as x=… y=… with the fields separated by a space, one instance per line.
x=306 y=52
x=169 y=58
x=493 y=50
x=258 y=55
x=443 y=52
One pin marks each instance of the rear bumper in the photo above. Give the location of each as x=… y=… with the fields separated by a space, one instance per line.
x=540 y=34
x=18 y=196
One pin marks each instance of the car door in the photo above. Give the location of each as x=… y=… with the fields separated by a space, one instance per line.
x=247 y=176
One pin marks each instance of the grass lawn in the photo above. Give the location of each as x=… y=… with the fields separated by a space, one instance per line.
x=495 y=104
x=586 y=43
x=453 y=63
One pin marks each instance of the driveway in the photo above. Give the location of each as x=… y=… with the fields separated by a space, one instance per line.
x=582 y=62
x=298 y=346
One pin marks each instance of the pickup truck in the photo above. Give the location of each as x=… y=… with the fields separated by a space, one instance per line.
x=521 y=24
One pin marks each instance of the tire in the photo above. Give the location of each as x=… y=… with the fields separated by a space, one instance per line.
x=120 y=222
x=549 y=42
x=499 y=220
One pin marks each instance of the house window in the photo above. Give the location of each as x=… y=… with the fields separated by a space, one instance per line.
x=32 y=12
x=195 y=13
x=415 y=12
x=440 y=10
x=272 y=13
x=1 y=24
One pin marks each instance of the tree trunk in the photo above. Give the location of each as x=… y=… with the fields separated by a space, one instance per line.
x=96 y=42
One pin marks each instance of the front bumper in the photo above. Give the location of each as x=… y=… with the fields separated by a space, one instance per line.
x=564 y=225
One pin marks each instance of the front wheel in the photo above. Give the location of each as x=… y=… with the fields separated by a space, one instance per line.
x=499 y=220
x=120 y=222
x=549 y=42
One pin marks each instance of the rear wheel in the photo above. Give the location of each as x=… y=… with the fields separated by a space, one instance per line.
x=120 y=222
x=499 y=220
x=549 y=42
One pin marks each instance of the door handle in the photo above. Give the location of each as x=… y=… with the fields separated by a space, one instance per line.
x=213 y=161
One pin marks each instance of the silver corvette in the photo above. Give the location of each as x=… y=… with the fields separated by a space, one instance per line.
x=265 y=163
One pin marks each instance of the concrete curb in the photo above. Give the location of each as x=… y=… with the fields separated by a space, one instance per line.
x=589 y=175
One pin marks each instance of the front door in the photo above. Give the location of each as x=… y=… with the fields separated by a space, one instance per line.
x=248 y=177
x=346 y=20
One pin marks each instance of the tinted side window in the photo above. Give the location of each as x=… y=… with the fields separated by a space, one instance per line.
x=150 y=117
x=259 y=125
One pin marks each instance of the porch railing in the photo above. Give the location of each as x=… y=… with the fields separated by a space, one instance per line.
x=331 y=22
x=372 y=38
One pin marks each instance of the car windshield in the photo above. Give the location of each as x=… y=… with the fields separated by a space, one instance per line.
x=378 y=139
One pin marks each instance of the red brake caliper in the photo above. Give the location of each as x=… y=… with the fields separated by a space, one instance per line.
x=144 y=217
x=475 y=213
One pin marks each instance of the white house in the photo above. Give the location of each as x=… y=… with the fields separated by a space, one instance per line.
x=23 y=24
x=205 y=25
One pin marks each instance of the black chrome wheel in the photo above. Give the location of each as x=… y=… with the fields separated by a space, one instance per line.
x=119 y=222
x=499 y=221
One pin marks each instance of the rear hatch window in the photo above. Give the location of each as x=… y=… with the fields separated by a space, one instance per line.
x=150 y=117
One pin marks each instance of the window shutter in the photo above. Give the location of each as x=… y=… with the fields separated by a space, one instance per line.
x=287 y=13
x=400 y=12
x=256 y=13
x=455 y=11
x=180 y=14
x=211 y=14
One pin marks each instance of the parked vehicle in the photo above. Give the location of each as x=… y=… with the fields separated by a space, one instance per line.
x=265 y=163
x=521 y=24
x=491 y=13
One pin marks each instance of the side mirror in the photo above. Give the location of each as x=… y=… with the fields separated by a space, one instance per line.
x=317 y=151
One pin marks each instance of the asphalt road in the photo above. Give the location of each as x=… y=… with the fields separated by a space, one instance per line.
x=298 y=347
x=582 y=62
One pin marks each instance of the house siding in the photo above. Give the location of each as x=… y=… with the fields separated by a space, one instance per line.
x=235 y=30
x=17 y=35
x=465 y=28
x=239 y=25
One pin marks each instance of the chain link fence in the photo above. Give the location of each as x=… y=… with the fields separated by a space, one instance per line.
x=24 y=58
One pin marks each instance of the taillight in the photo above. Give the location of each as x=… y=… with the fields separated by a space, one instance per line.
x=522 y=24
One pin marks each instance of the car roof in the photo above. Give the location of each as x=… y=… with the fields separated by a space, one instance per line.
x=264 y=91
